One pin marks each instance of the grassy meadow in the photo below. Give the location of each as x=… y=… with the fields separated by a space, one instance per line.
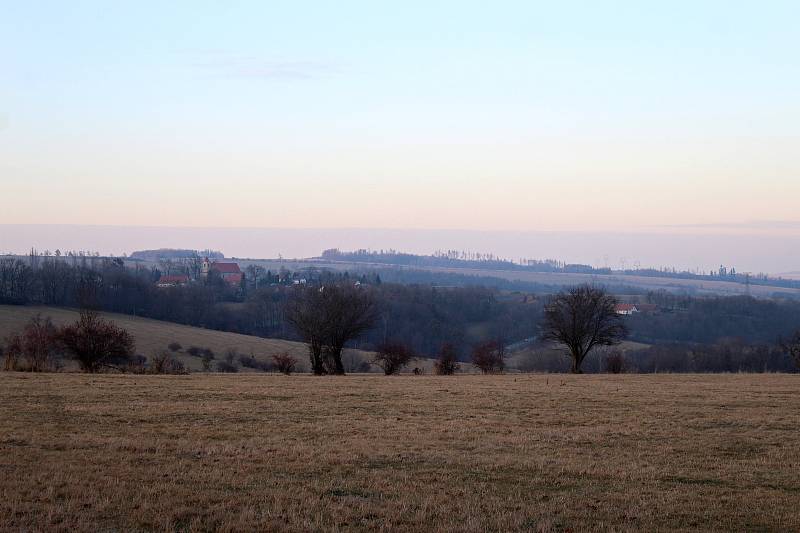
x=462 y=453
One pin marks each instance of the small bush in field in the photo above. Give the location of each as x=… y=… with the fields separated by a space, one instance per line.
x=207 y=358
x=36 y=348
x=231 y=355
x=97 y=343
x=137 y=365
x=226 y=367
x=615 y=363
x=392 y=357
x=249 y=361
x=489 y=357
x=174 y=346
x=285 y=363
x=197 y=351
x=447 y=362
x=164 y=362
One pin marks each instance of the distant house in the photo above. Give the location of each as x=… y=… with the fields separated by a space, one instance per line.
x=626 y=309
x=172 y=281
x=229 y=272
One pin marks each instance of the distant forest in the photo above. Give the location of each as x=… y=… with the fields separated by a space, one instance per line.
x=462 y=259
x=423 y=315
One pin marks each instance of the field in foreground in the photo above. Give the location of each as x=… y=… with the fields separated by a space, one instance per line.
x=464 y=453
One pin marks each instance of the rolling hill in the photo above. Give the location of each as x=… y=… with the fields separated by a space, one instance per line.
x=152 y=335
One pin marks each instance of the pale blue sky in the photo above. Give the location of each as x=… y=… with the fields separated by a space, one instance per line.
x=453 y=114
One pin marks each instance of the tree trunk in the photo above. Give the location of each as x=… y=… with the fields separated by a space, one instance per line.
x=317 y=365
x=338 y=366
x=576 y=364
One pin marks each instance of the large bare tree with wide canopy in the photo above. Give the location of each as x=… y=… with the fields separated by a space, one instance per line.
x=582 y=318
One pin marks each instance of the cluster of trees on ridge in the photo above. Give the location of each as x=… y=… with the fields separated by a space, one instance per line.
x=463 y=259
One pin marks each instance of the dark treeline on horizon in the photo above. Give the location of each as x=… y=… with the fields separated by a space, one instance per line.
x=423 y=315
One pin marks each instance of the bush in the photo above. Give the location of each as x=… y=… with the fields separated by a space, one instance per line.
x=164 y=362
x=136 y=365
x=249 y=361
x=207 y=358
x=615 y=363
x=196 y=351
x=489 y=357
x=226 y=367
x=174 y=346
x=231 y=355
x=393 y=357
x=284 y=362
x=97 y=343
x=447 y=362
x=35 y=349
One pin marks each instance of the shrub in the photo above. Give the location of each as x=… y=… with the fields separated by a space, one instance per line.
x=207 y=358
x=174 y=346
x=284 y=362
x=447 y=362
x=164 y=362
x=249 y=361
x=615 y=363
x=96 y=343
x=231 y=355
x=35 y=349
x=489 y=357
x=226 y=367
x=196 y=351
x=393 y=357
x=792 y=346
x=136 y=365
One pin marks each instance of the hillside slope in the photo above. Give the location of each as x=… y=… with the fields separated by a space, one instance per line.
x=152 y=335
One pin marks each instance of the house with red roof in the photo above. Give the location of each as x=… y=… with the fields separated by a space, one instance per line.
x=626 y=309
x=229 y=272
x=172 y=281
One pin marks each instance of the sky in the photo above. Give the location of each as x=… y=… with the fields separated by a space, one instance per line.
x=631 y=116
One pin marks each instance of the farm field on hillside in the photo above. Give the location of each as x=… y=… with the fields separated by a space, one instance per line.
x=153 y=335
x=462 y=453
x=654 y=283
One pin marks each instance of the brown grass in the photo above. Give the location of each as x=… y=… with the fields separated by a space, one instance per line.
x=463 y=453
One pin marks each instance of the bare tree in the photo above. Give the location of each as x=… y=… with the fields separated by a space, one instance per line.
x=615 y=362
x=447 y=362
x=329 y=317
x=392 y=357
x=792 y=347
x=489 y=357
x=284 y=362
x=96 y=343
x=36 y=348
x=349 y=313
x=582 y=318
x=305 y=313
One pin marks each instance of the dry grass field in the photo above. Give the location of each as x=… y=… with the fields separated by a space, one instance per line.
x=463 y=453
x=154 y=335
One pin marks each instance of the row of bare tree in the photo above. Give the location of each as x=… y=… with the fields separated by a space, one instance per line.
x=329 y=317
